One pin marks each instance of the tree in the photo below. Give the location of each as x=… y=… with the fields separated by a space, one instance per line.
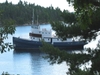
x=21 y=13
x=6 y=28
x=85 y=22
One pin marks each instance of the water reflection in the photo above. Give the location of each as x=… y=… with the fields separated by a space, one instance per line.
x=22 y=64
x=35 y=64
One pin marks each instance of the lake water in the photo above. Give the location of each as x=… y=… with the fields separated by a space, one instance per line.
x=28 y=63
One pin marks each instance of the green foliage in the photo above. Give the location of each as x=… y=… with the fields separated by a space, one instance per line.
x=75 y=61
x=76 y=25
x=84 y=23
x=68 y=17
x=22 y=13
x=6 y=27
x=84 y=9
x=80 y=72
x=6 y=73
x=64 y=30
x=58 y=56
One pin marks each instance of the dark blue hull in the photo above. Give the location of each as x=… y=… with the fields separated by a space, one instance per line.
x=28 y=45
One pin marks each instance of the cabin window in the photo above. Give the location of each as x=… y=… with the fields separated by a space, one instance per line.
x=39 y=31
x=33 y=38
x=36 y=27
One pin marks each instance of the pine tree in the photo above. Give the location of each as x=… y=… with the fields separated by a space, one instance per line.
x=84 y=22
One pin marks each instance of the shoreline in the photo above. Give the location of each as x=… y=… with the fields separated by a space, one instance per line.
x=30 y=24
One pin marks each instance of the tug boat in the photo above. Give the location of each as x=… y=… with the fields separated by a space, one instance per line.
x=37 y=35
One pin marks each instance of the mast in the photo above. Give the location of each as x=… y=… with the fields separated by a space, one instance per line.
x=33 y=18
x=37 y=20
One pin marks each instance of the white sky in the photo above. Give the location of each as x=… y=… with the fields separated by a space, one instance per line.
x=62 y=4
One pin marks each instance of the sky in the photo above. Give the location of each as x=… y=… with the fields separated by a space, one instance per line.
x=62 y=4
